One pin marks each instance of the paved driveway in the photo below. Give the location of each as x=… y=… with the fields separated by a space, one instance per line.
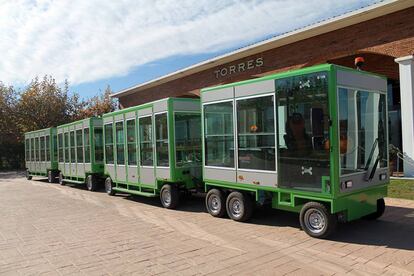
x=52 y=229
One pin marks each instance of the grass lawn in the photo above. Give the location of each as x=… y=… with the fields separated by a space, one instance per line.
x=400 y=188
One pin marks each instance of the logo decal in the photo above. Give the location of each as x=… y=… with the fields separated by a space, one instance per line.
x=306 y=170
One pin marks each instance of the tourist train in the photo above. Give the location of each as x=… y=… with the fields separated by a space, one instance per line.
x=312 y=141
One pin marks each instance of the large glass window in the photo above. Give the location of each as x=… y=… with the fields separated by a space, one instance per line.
x=79 y=146
x=37 y=149
x=42 y=148
x=27 y=149
x=187 y=139
x=98 y=144
x=362 y=130
x=47 y=145
x=256 y=133
x=161 y=133
x=109 y=144
x=60 y=147
x=55 y=152
x=131 y=142
x=87 y=145
x=145 y=140
x=67 y=160
x=219 y=137
x=72 y=147
x=120 y=149
x=32 y=150
x=303 y=128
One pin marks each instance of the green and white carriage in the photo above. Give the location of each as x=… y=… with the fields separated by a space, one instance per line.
x=154 y=149
x=41 y=154
x=80 y=152
x=312 y=141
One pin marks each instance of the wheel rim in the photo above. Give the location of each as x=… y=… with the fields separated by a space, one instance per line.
x=166 y=196
x=108 y=186
x=214 y=204
x=236 y=208
x=89 y=183
x=315 y=221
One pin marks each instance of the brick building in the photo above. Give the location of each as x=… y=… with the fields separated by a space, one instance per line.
x=382 y=33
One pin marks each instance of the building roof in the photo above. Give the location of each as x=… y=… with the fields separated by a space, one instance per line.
x=364 y=14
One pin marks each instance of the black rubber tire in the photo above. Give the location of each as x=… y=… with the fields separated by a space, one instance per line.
x=91 y=183
x=169 y=196
x=108 y=187
x=319 y=211
x=51 y=176
x=216 y=203
x=61 y=177
x=379 y=212
x=28 y=176
x=239 y=206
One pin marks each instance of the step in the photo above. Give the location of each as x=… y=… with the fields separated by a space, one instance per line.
x=73 y=181
x=122 y=190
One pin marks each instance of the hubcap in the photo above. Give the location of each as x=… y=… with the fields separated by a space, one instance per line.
x=215 y=204
x=236 y=207
x=315 y=221
x=166 y=195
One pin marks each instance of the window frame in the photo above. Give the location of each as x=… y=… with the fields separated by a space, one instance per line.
x=116 y=142
x=60 y=147
x=155 y=140
x=338 y=131
x=94 y=130
x=66 y=147
x=88 y=147
x=175 y=135
x=236 y=131
x=152 y=140
x=137 y=161
x=235 y=157
x=48 y=146
x=111 y=123
x=79 y=146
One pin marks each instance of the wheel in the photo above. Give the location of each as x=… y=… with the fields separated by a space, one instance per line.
x=61 y=182
x=169 y=196
x=216 y=203
x=28 y=176
x=317 y=221
x=51 y=176
x=108 y=186
x=380 y=210
x=91 y=183
x=239 y=206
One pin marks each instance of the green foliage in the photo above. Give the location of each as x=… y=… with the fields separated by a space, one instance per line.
x=41 y=104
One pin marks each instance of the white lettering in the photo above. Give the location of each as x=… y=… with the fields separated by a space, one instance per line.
x=250 y=64
x=239 y=68
x=259 y=62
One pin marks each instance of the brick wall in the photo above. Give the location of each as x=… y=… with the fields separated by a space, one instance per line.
x=379 y=40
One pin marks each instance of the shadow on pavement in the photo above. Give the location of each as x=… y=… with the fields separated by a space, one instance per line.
x=394 y=230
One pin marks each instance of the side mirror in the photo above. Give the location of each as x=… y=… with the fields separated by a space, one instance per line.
x=317 y=126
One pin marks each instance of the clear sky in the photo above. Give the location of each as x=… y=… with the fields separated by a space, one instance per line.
x=96 y=43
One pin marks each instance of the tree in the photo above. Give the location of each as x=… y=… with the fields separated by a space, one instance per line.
x=99 y=105
x=44 y=104
x=10 y=152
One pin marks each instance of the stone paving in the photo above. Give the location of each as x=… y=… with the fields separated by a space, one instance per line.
x=57 y=230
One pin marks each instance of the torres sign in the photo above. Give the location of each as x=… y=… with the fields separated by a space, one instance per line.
x=238 y=68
